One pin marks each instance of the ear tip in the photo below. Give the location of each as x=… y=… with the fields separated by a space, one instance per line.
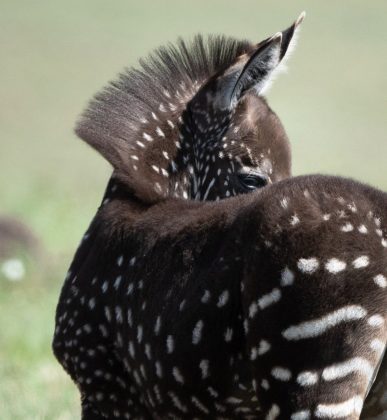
x=300 y=18
x=277 y=37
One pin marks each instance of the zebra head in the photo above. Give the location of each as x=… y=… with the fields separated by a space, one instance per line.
x=192 y=122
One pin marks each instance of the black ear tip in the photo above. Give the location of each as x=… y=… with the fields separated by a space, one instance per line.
x=300 y=18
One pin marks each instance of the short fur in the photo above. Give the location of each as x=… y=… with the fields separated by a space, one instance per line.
x=188 y=299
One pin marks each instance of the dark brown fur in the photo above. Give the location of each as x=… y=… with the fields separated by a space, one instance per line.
x=170 y=300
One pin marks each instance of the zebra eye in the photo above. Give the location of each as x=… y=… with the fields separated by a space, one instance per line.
x=251 y=181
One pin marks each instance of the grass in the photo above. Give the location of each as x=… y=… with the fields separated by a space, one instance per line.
x=55 y=55
x=33 y=385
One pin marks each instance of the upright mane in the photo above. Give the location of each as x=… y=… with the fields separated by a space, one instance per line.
x=164 y=83
x=145 y=104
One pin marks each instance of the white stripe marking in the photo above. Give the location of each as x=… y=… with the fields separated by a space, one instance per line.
x=344 y=409
x=210 y=185
x=301 y=415
x=318 y=326
x=341 y=370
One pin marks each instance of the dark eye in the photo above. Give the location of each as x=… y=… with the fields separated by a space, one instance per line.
x=252 y=181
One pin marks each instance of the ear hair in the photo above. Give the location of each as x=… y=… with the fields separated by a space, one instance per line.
x=259 y=67
x=289 y=43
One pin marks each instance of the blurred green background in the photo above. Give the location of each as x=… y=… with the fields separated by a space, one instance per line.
x=55 y=55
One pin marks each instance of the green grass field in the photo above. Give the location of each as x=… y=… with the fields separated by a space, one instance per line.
x=55 y=55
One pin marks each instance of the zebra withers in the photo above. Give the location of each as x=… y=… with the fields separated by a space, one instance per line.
x=188 y=298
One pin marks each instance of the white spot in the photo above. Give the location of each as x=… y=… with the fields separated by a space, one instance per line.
x=228 y=335
x=307 y=378
x=348 y=227
x=266 y=300
x=282 y=374
x=177 y=403
x=204 y=366
x=316 y=327
x=177 y=375
x=264 y=347
x=377 y=345
x=341 y=370
x=159 y=370
x=326 y=217
x=147 y=137
x=206 y=296
x=294 y=220
x=131 y=349
x=118 y=311
x=170 y=344
x=287 y=277
x=265 y=384
x=273 y=412
x=284 y=203
x=212 y=392
x=120 y=260
x=308 y=265
x=223 y=299
x=301 y=415
x=361 y=262
x=381 y=281
x=253 y=353
x=200 y=405
x=233 y=400
x=139 y=333
x=334 y=265
x=253 y=309
x=148 y=351
x=362 y=229
x=160 y=132
x=140 y=144
x=344 y=409
x=165 y=154
x=197 y=332
x=375 y=320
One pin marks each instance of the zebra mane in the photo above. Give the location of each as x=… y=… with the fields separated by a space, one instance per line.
x=133 y=122
x=164 y=83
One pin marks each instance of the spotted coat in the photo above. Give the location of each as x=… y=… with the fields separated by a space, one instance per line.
x=189 y=299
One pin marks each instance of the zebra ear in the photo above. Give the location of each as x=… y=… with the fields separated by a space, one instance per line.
x=257 y=71
x=258 y=68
